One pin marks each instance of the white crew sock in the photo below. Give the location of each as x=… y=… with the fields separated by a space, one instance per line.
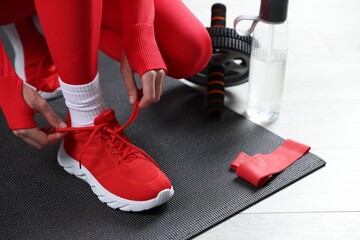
x=85 y=102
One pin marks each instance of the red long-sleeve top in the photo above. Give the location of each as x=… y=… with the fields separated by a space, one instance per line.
x=17 y=113
x=129 y=26
x=140 y=44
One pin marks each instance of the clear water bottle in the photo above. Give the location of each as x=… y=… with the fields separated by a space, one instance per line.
x=268 y=60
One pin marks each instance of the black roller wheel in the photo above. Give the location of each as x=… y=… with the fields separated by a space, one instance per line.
x=230 y=51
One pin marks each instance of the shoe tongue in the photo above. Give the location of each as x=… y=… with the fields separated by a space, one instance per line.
x=106 y=116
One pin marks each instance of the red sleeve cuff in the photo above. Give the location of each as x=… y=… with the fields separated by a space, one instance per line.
x=17 y=113
x=142 y=50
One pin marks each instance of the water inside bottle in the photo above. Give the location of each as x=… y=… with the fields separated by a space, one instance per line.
x=266 y=81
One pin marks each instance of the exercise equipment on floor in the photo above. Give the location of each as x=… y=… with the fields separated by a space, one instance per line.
x=229 y=65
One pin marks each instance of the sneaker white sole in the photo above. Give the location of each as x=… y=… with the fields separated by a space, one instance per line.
x=19 y=61
x=51 y=95
x=72 y=166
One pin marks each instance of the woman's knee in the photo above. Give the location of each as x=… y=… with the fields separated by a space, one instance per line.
x=194 y=53
x=203 y=51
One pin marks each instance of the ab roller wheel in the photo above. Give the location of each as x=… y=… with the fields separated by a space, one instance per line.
x=229 y=65
x=232 y=52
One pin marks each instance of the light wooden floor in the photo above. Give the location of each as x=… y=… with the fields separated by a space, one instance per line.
x=321 y=108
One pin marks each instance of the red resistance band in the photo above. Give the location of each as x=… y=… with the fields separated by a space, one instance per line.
x=261 y=167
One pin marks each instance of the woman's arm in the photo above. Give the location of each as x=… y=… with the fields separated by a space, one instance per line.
x=140 y=44
x=19 y=104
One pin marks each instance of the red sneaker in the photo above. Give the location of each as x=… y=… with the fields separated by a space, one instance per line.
x=44 y=77
x=121 y=175
x=33 y=62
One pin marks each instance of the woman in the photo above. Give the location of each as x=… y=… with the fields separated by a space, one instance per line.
x=149 y=37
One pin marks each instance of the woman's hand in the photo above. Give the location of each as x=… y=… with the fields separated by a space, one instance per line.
x=36 y=137
x=152 y=84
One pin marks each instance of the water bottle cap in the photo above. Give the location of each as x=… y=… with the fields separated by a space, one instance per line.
x=274 y=11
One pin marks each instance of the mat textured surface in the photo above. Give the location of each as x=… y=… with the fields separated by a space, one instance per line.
x=39 y=200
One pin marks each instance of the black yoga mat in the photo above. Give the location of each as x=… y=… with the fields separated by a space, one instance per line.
x=39 y=200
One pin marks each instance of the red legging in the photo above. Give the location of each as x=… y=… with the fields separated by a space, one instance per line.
x=183 y=41
x=72 y=30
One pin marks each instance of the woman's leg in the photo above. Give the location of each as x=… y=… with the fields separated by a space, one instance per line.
x=72 y=30
x=111 y=34
x=183 y=41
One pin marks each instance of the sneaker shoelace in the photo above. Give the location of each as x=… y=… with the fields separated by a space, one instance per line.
x=123 y=148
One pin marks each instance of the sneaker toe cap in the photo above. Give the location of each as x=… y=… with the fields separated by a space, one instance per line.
x=139 y=182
